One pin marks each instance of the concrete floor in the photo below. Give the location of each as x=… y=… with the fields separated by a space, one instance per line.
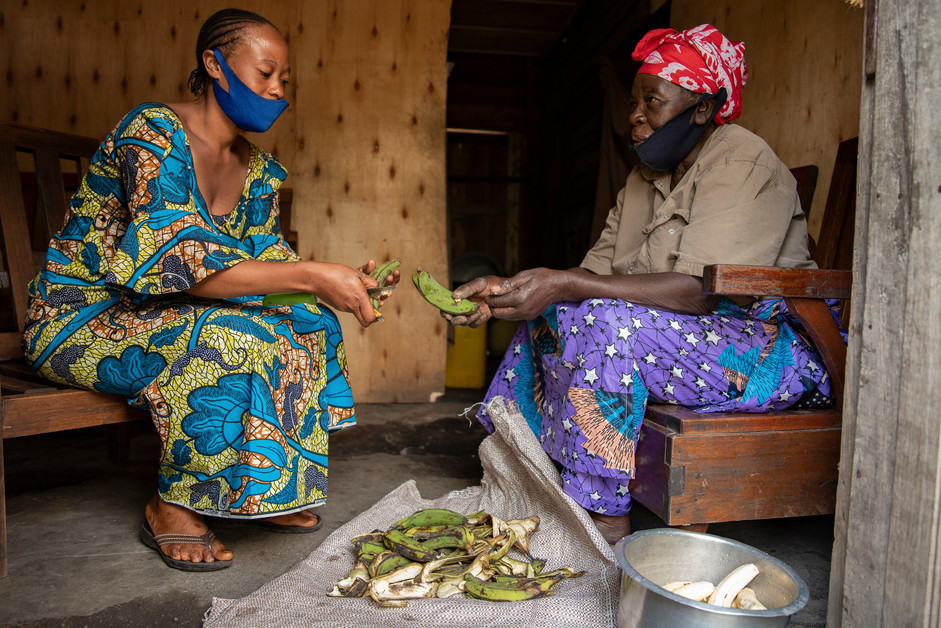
x=75 y=559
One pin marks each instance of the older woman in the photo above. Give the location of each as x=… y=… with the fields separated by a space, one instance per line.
x=631 y=323
x=153 y=290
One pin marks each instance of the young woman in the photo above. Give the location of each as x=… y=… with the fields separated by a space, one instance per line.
x=153 y=290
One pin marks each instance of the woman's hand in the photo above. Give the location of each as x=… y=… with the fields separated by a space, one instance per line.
x=391 y=280
x=344 y=288
x=475 y=290
x=521 y=297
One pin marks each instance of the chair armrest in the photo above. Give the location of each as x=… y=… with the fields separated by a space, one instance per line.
x=773 y=281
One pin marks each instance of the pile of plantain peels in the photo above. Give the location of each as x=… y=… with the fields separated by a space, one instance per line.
x=439 y=553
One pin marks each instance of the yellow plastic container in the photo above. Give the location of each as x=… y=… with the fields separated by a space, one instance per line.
x=466 y=364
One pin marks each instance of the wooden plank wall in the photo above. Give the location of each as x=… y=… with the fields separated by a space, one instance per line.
x=372 y=185
x=886 y=565
x=804 y=59
x=371 y=166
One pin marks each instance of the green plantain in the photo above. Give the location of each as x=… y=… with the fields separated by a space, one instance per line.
x=431 y=517
x=409 y=548
x=514 y=590
x=290 y=298
x=441 y=297
x=381 y=272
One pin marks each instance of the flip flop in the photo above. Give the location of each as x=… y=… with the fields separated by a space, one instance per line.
x=154 y=542
x=282 y=529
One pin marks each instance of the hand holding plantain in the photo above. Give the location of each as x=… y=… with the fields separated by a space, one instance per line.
x=521 y=297
x=387 y=276
x=344 y=288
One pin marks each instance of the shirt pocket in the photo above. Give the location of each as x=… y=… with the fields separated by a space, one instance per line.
x=662 y=239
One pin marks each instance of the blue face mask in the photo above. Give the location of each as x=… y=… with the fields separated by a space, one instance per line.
x=670 y=144
x=248 y=110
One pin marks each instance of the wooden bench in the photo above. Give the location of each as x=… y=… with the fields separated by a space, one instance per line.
x=696 y=469
x=36 y=189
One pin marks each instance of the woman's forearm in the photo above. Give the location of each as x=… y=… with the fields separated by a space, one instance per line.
x=253 y=277
x=675 y=292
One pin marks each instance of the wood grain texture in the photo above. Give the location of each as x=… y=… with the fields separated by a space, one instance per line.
x=691 y=478
x=370 y=177
x=890 y=567
x=804 y=61
x=67 y=409
x=737 y=279
x=371 y=186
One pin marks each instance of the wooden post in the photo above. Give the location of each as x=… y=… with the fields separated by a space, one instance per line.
x=886 y=563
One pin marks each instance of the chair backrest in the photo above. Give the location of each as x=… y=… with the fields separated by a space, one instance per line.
x=835 y=244
x=28 y=155
x=806 y=185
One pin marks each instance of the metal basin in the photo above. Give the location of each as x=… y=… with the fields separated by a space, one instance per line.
x=653 y=557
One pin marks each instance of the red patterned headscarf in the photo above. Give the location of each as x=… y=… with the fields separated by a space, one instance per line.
x=700 y=59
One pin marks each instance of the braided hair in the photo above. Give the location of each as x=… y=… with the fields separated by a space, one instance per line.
x=223 y=30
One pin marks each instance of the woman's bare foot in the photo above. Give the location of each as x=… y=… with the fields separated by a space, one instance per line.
x=613 y=529
x=302 y=518
x=165 y=518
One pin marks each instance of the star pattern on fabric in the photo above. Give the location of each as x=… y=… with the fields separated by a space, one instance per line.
x=596 y=354
x=591 y=377
x=510 y=375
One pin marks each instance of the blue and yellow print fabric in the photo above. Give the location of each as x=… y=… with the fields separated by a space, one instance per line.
x=242 y=395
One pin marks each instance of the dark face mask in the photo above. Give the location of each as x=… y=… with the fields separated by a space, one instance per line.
x=670 y=144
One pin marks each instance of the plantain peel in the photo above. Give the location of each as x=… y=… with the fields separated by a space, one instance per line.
x=440 y=553
x=440 y=297
x=381 y=274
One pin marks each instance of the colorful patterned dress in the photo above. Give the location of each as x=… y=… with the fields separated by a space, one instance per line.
x=582 y=373
x=243 y=395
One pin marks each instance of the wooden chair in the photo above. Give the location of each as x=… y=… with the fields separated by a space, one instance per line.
x=696 y=469
x=31 y=161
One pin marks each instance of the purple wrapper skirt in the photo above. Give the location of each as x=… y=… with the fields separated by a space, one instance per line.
x=582 y=374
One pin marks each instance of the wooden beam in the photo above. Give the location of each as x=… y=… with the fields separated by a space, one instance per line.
x=500 y=41
x=886 y=558
x=548 y=17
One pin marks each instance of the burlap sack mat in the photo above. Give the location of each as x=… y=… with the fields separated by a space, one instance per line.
x=518 y=480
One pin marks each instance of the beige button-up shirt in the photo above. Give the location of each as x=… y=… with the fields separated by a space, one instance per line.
x=737 y=204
